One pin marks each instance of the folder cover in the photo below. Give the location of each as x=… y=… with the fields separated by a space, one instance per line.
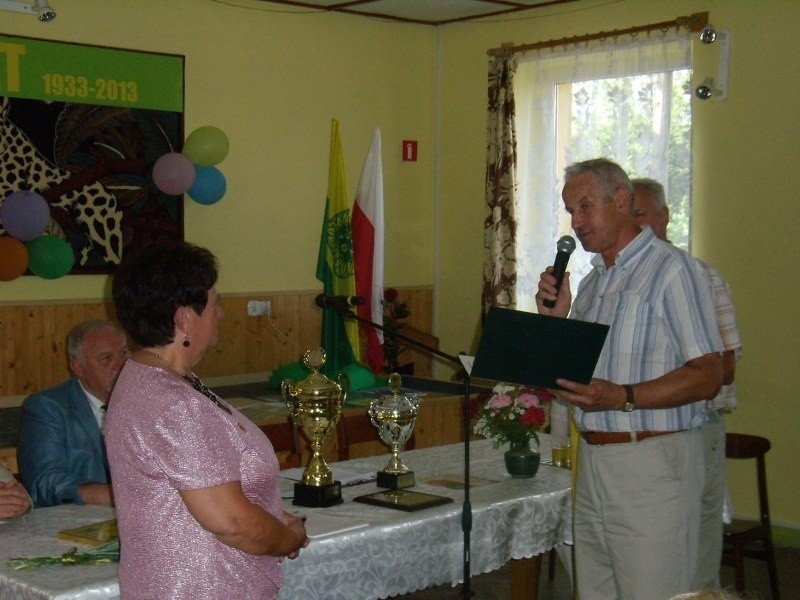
x=531 y=349
x=93 y=534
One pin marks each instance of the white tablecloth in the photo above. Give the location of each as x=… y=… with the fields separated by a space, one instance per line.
x=404 y=552
x=35 y=535
x=397 y=552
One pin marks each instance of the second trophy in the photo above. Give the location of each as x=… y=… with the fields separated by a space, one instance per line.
x=395 y=416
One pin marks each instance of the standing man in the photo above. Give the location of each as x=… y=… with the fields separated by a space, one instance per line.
x=650 y=208
x=640 y=472
x=61 y=453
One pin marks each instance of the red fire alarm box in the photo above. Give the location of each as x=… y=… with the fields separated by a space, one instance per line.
x=410 y=150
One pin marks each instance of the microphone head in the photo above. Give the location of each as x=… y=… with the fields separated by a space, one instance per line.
x=566 y=244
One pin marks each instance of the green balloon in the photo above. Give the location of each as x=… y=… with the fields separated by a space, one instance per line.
x=49 y=257
x=206 y=146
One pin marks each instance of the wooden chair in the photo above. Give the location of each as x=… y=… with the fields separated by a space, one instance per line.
x=283 y=436
x=741 y=533
x=358 y=429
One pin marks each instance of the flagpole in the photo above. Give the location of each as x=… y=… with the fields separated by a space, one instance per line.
x=466 y=510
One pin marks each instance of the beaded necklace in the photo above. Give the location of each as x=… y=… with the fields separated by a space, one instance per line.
x=194 y=381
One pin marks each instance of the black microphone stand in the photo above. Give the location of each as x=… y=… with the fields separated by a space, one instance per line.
x=466 y=510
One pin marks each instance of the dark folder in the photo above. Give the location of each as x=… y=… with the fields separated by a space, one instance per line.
x=531 y=349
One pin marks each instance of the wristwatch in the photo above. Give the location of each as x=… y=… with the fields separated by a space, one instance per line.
x=629 y=405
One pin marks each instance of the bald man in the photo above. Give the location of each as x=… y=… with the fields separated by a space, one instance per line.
x=61 y=453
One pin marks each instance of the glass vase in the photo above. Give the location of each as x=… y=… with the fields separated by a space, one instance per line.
x=522 y=461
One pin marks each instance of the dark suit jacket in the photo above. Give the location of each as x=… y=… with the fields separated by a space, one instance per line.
x=60 y=445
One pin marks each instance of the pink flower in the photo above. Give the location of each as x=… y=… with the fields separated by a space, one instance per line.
x=499 y=401
x=527 y=400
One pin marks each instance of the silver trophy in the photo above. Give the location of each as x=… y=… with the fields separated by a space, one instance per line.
x=395 y=416
x=315 y=405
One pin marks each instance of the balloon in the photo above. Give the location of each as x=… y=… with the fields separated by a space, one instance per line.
x=13 y=258
x=209 y=185
x=50 y=257
x=206 y=146
x=25 y=215
x=173 y=173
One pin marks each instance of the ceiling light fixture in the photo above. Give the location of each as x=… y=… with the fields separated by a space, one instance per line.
x=34 y=7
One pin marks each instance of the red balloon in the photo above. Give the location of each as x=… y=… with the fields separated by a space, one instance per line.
x=13 y=258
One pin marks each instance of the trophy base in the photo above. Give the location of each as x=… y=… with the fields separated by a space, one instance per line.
x=395 y=481
x=317 y=495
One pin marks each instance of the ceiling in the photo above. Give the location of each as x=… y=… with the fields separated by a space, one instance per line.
x=427 y=12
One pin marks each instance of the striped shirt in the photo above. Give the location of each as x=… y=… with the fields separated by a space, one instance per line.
x=659 y=305
x=726 y=321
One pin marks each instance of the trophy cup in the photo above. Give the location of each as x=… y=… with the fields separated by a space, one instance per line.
x=315 y=405
x=394 y=416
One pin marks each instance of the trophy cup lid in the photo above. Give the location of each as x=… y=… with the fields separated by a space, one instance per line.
x=397 y=401
x=316 y=386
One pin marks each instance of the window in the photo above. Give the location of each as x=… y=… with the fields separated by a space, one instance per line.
x=625 y=100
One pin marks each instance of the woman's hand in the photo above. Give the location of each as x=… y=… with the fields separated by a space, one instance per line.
x=226 y=512
x=296 y=523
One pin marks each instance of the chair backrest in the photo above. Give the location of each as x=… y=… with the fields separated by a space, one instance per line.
x=283 y=437
x=740 y=446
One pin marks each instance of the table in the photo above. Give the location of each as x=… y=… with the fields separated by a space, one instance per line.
x=404 y=552
x=395 y=553
x=34 y=534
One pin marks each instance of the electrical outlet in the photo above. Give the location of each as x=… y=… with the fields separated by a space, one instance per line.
x=257 y=308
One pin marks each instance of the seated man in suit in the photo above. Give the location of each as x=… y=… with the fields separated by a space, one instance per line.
x=14 y=500
x=60 y=453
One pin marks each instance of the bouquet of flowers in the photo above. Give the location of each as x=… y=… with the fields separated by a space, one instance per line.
x=512 y=414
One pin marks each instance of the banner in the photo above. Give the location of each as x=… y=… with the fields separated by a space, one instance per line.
x=81 y=127
x=368 y=236
x=335 y=263
x=63 y=72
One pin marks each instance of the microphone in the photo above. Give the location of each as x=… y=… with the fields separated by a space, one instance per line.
x=564 y=247
x=338 y=302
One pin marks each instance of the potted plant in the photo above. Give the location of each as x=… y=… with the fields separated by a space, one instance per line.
x=513 y=415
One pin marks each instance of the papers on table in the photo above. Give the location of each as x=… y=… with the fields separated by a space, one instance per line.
x=343 y=476
x=319 y=524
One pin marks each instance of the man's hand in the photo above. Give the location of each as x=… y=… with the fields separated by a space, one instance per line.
x=548 y=291
x=598 y=395
x=97 y=493
x=14 y=500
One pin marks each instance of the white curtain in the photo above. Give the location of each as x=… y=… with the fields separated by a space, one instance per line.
x=542 y=157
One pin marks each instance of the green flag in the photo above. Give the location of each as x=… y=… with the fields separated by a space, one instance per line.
x=335 y=264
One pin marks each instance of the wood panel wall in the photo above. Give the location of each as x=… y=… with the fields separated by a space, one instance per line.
x=33 y=336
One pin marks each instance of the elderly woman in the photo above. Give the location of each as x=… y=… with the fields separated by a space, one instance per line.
x=195 y=482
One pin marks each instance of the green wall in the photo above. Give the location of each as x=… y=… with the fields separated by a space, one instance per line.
x=272 y=80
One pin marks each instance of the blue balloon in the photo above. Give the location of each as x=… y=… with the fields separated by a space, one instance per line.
x=209 y=185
